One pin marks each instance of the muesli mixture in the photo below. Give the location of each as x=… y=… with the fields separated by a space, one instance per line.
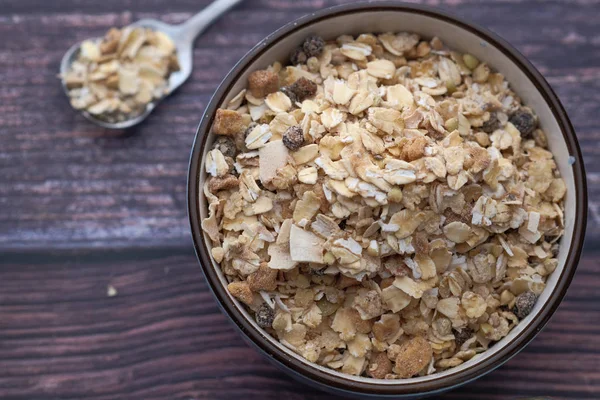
x=115 y=78
x=383 y=205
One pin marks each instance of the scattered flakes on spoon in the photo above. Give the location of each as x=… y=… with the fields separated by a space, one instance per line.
x=116 y=77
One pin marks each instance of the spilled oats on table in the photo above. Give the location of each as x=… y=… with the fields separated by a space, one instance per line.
x=384 y=206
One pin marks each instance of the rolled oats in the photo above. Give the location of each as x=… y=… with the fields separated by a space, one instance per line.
x=386 y=208
x=116 y=77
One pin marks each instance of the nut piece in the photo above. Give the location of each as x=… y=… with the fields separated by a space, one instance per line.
x=293 y=138
x=265 y=316
x=227 y=122
x=241 y=291
x=413 y=356
x=524 y=304
x=264 y=278
x=263 y=82
x=226 y=182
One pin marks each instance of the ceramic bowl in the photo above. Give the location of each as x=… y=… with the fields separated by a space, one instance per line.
x=462 y=36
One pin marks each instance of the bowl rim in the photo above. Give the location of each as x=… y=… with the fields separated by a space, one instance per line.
x=257 y=338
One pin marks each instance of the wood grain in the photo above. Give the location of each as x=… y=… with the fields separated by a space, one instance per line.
x=163 y=337
x=66 y=183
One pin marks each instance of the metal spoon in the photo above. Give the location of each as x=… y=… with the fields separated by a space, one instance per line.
x=183 y=35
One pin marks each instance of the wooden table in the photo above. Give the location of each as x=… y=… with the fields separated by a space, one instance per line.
x=82 y=209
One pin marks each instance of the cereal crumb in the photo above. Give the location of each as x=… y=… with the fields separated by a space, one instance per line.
x=413 y=355
x=380 y=366
x=111 y=291
x=227 y=122
x=263 y=82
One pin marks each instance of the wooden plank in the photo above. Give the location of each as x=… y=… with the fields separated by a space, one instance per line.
x=66 y=183
x=162 y=335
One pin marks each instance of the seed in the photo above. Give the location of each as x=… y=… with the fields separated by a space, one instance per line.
x=451 y=124
x=470 y=61
x=326 y=307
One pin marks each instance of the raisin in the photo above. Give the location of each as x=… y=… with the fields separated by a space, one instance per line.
x=491 y=124
x=298 y=56
x=265 y=316
x=226 y=146
x=289 y=93
x=462 y=336
x=293 y=138
x=301 y=89
x=313 y=46
x=524 y=304
x=524 y=121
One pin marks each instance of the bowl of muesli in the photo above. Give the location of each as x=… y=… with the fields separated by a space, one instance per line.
x=386 y=200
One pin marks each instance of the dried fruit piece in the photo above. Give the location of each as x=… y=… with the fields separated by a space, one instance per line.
x=491 y=124
x=524 y=121
x=265 y=316
x=313 y=46
x=462 y=335
x=293 y=138
x=524 y=303
x=300 y=90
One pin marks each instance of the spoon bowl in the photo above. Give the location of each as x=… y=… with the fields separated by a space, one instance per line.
x=183 y=35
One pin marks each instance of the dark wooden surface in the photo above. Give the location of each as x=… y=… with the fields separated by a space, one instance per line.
x=83 y=208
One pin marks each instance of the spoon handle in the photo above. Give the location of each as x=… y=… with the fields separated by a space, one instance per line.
x=195 y=25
